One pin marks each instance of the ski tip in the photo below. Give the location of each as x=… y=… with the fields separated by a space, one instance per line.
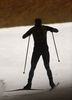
x=54 y=87
x=58 y=83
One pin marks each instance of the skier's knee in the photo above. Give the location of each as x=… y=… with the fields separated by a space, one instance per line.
x=33 y=65
x=47 y=67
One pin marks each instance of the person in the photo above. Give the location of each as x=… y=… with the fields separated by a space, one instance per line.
x=39 y=33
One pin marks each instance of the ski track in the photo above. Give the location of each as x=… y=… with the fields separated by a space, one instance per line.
x=13 y=52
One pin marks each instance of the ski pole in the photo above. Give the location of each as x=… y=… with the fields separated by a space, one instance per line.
x=55 y=47
x=26 y=55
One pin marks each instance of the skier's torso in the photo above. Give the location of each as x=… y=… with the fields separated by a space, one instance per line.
x=39 y=34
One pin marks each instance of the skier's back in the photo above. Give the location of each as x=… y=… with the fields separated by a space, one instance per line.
x=39 y=33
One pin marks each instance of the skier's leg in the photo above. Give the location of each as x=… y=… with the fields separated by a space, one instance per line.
x=34 y=60
x=46 y=59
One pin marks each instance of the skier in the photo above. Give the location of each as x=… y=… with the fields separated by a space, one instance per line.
x=39 y=33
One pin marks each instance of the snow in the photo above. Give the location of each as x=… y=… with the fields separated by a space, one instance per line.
x=12 y=58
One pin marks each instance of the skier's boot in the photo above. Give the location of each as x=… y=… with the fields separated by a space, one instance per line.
x=28 y=86
x=52 y=84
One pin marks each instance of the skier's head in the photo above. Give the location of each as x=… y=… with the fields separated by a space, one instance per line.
x=38 y=22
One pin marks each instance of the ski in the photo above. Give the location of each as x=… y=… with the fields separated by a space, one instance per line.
x=32 y=89
x=22 y=90
x=54 y=87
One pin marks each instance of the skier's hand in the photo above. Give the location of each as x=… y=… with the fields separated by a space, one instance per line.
x=55 y=30
x=23 y=37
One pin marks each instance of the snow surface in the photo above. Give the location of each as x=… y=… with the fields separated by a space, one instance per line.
x=12 y=58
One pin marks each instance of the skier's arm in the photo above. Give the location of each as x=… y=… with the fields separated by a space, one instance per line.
x=28 y=33
x=51 y=29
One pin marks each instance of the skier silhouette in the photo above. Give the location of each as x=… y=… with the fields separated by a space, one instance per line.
x=39 y=33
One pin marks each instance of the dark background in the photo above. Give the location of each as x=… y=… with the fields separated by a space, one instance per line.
x=23 y=12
